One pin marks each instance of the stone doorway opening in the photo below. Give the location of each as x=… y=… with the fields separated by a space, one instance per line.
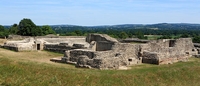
x=38 y=46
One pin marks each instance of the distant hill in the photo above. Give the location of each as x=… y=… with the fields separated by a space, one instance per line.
x=160 y=26
x=177 y=26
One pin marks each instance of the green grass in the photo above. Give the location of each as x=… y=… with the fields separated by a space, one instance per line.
x=26 y=72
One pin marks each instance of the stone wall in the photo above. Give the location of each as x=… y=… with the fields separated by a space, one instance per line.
x=100 y=37
x=104 y=45
x=197 y=46
x=168 y=51
x=57 y=47
x=63 y=44
x=23 y=45
x=100 y=42
x=121 y=55
x=75 y=54
x=104 y=52
x=51 y=44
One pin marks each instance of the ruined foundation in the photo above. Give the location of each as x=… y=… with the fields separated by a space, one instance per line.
x=107 y=53
x=104 y=52
x=51 y=44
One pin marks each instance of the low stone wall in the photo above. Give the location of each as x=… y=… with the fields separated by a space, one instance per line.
x=104 y=46
x=197 y=56
x=100 y=37
x=150 y=57
x=197 y=46
x=62 y=47
x=17 y=37
x=167 y=51
x=10 y=48
x=23 y=45
x=121 y=55
x=75 y=54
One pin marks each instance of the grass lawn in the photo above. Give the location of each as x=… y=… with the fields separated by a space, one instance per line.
x=35 y=69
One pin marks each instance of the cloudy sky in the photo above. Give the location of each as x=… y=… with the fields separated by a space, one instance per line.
x=100 y=12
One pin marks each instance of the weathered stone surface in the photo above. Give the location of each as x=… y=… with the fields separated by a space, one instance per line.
x=100 y=37
x=51 y=44
x=197 y=56
x=169 y=51
x=150 y=57
x=119 y=55
x=104 y=52
x=78 y=52
x=82 y=61
x=78 y=46
x=23 y=45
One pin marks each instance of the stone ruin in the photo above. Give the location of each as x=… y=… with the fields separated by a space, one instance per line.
x=197 y=46
x=166 y=51
x=104 y=52
x=22 y=45
x=46 y=43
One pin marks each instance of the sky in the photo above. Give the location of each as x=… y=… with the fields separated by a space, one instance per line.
x=99 y=12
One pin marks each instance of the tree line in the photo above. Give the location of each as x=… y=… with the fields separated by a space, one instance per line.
x=133 y=33
x=26 y=27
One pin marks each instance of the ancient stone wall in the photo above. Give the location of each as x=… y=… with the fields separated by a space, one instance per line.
x=23 y=45
x=17 y=37
x=100 y=37
x=121 y=55
x=51 y=44
x=100 y=42
x=57 y=47
x=168 y=51
x=103 y=52
x=104 y=45
x=63 y=44
x=197 y=46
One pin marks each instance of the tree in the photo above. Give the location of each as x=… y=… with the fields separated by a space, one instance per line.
x=140 y=35
x=2 y=29
x=78 y=32
x=196 y=39
x=123 y=35
x=13 y=29
x=28 y=28
x=36 y=32
x=185 y=35
x=71 y=34
x=46 y=29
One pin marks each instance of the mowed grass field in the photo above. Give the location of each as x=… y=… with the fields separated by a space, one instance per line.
x=35 y=69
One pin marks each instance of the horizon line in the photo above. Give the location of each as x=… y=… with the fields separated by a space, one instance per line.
x=107 y=24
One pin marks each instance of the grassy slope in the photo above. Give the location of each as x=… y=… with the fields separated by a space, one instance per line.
x=35 y=69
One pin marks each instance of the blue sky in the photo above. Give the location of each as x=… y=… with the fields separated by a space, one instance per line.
x=100 y=12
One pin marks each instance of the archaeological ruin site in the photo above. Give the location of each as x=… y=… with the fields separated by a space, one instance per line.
x=104 y=52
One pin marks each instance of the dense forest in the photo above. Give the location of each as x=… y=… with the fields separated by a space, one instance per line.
x=162 y=31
